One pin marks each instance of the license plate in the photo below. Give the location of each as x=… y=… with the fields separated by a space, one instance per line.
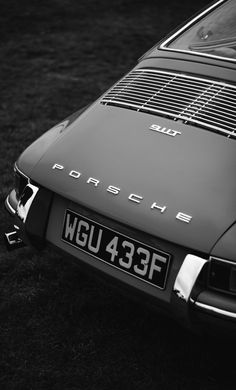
x=131 y=256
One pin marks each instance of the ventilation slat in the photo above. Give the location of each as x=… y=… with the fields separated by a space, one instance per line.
x=203 y=102
x=223 y=106
x=230 y=100
x=211 y=126
x=213 y=110
x=152 y=87
x=207 y=116
x=167 y=103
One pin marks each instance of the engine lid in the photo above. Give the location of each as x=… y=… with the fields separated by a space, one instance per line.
x=171 y=180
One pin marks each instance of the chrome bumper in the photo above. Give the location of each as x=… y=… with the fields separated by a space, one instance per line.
x=185 y=288
x=192 y=300
x=31 y=216
x=13 y=241
x=216 y=310
x=30 y=213
x=11 y=202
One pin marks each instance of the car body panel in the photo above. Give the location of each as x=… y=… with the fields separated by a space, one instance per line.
x=225 y=248
x=174 y=193
x=184 y=174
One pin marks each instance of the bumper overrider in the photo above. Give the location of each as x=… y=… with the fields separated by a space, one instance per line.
x=31 y=212
x=191 y=301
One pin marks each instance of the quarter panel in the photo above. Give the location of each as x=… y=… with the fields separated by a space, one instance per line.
x=225 y=248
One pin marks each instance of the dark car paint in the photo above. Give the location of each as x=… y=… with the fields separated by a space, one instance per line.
x=185 y=173
x=225 y=248
x=192 y=173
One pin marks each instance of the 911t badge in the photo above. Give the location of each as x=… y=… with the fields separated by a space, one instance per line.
x=164 y=130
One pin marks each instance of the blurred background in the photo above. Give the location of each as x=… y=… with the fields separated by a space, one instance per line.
x=59 y=327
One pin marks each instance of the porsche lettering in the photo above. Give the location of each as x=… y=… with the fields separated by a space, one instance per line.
x=135 y=198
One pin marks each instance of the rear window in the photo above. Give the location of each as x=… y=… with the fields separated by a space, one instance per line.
x=214 y=34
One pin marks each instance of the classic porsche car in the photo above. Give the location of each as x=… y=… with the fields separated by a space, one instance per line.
x=141 y=184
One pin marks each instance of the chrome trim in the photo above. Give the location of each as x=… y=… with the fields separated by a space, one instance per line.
x=13 y=241
x=177 y=33
x=9 y=207
x=187 y=276
x=193 y=78
x=195 y=100
x=216 y=310
x=26 y=201
x=222 y=260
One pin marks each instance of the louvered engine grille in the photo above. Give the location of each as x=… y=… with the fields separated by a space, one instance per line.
x=203 y=102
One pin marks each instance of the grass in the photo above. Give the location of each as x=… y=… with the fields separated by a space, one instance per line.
x=60 y=328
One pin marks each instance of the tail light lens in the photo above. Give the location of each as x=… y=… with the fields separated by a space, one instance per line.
x=222 y=275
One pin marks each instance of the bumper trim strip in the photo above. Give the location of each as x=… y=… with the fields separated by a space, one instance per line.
x=9 y=207
x=224 y=313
